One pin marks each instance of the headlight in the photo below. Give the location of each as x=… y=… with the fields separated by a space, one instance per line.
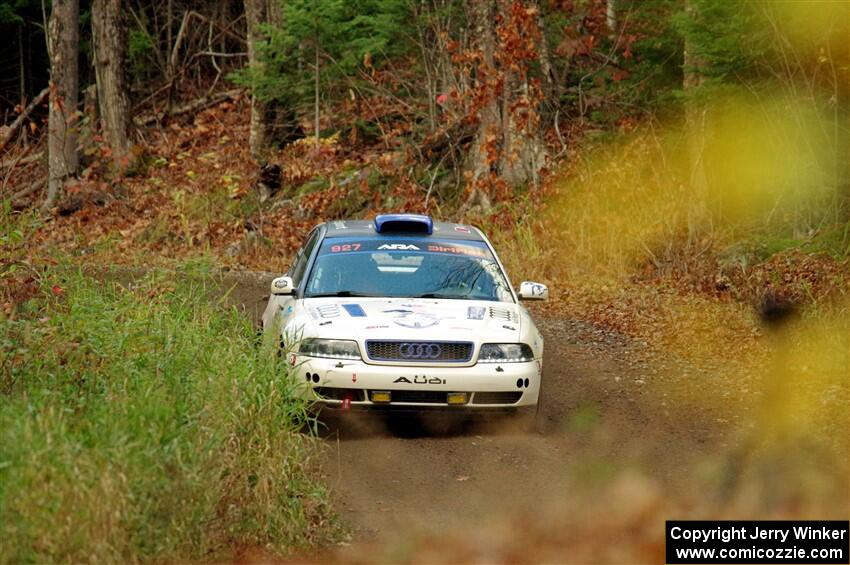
x=332 y=348
x=505 y=353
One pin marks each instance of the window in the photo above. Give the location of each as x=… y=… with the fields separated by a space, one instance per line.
x=299 y=266
x=407 y=268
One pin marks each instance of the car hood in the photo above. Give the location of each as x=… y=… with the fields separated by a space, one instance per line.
x=419 y=318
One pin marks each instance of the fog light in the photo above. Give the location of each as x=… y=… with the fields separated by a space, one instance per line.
x=457 y=398
x=380 y=396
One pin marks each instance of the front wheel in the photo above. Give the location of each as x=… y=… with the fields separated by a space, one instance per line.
x=531 y=419
x=539 y=426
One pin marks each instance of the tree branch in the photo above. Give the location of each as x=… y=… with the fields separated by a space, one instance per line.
x=193 y=106
x=16 y=125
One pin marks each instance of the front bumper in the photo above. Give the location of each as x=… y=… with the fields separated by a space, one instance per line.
x=340 y=383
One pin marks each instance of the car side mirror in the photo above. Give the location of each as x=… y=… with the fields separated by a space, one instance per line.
x=283 y=285
x=533 y=291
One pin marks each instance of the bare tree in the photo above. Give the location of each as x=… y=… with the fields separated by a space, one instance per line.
x=63 y=45
x=109 y=31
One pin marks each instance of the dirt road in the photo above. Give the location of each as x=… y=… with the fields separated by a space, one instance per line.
x=394 y=477
x=611 y=411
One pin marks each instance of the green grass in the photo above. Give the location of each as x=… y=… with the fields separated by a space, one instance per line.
x=832 y=240
x=146 y=424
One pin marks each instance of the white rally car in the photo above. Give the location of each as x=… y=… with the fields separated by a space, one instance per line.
x=409 y=314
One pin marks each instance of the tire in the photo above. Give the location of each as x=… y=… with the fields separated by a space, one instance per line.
x=540 y=413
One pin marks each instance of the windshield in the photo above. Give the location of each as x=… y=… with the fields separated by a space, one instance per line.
x=408 y=268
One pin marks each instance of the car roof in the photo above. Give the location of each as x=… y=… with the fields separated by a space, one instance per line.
x=366 y=228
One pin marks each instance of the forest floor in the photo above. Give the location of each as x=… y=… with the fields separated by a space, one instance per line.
x=684 y=384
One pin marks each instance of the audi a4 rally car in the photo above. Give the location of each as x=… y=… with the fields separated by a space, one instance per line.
x=406 y=313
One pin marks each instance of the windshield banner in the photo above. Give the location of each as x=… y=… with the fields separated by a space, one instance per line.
x=374 y=245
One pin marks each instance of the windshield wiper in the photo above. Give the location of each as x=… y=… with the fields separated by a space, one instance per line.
x=341 y=293
x=443 y=295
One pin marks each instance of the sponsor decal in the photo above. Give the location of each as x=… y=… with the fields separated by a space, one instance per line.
x=398 y=247
x=354 y=310
x=458 y=250
x=421 y=380
x=354 y=377
x=375 y=327
x=469 y=248
x=293 y=359
x=462 y=229
x=345 y=247
x=476 y=312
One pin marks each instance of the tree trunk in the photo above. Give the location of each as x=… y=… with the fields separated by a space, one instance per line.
x=109 y=33
x=483 y=155
x=523 y=150
x=544 y=57
x=21 y=65
x=316 y=116
x=611 y=18
x=64 y=36
x=692 y=78
x=257 y=14
x=507 y=146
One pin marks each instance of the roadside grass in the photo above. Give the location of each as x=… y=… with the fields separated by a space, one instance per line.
x=145 y=423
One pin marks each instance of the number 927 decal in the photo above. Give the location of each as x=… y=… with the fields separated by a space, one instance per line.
x=345 y=247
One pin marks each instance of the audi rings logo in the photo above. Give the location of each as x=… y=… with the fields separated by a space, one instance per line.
x=420 y=350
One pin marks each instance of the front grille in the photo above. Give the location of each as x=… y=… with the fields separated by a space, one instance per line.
x=510 y=397
x=419 y=396
x=420 y=351
x=335 y=393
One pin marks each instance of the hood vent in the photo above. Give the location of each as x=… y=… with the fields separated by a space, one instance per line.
x=328 y=310
x=501 y=314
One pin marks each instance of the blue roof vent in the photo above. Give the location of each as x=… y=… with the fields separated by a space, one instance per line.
x=404 y=223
